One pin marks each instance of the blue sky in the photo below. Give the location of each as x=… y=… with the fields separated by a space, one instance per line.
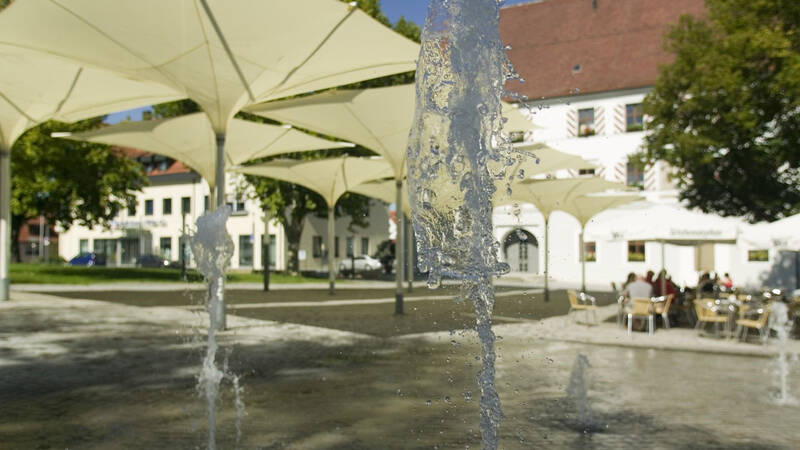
x=413 y=10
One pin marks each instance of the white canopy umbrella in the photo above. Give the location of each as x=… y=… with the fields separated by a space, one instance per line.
x=383 y=190
x=783 y=234
x=36 y=87
x=664 y=223
x=379 y=119
x=669 y=223
x=190 y=139
x=223 y=54
x=553 y=194
x=585 y=207
x=330 y=178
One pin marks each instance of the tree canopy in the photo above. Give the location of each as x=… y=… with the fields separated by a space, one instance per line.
x=726 y=113
x=67 y=181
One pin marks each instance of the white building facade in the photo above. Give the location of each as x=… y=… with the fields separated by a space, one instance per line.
x=170 y=206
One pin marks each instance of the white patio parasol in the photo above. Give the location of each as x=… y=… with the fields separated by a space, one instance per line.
x=554 y=194
x=35 y=87
x=379 y=119
x=585 y=207
x=330 y=178
x=190 y=139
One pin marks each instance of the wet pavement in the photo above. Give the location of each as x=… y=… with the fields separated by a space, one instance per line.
x=97 y=375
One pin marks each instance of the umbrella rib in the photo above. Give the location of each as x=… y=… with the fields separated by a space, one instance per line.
x=385 y=153
x=118 y=43
x=210 y=59
x=314 y=52
x=17 y=108
x=327 y=75
x=224 y=42
x=69 y=91
x=267 y=145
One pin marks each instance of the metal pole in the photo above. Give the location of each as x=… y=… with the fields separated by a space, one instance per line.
x=663 y=272
x=5 y=221
x=398 y=249
x=583 y=260
x=220 y=201
x=410 y=253
x=183 y=243
x=331 y=249
x=546 y=261
x=41 y=238
x=265 y=251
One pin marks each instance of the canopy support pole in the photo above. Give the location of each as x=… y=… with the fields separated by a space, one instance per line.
x=265 y=250
x=663 y=271
x=546 y=260
x=5 y=222
x=220 y=202
x=398 y=249
x=331 y=250
x=583 y=259
x=409 y=253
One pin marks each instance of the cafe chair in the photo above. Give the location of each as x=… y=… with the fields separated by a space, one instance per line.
x=576 y=305
x=743 y=325
x=641 y=307
x=706 y=315
x=662 y=309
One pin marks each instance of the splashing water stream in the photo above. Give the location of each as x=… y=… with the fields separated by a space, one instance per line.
x=577 y=391
x=213 y=248
x=780 y=323
x=455 y=153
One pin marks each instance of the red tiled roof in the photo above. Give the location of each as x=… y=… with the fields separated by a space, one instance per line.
x=173 y=168
x=618 y=45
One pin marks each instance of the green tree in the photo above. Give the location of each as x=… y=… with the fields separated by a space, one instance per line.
x=726 y=112
x=67 y=181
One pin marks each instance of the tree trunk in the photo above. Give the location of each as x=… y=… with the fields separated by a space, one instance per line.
x=293 y=228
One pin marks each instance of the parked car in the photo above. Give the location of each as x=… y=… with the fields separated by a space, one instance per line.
x=88 y=260
x=359 y=264
x=151 y=261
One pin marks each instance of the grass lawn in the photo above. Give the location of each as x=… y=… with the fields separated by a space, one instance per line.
x=373 y=319
x=58 y=274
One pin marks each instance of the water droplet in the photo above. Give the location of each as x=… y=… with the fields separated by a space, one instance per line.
x=447 y=399
x=428 y=403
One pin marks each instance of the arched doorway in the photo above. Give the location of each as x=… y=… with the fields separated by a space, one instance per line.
x=521 y=250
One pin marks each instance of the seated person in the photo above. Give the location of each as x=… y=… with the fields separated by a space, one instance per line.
x=639 y=288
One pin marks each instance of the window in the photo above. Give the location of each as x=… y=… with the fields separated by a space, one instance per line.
x=635 y=251
x=166 y=206
x=237 y=205
x=590 y=251
x=349 y=244
x=635 y=175
x=84 y=246
x=132 y=207
x=316 y=246
x=186 y=205
x=148 y=207
x=758 y=255
x=364 y=246
x=206 y=204
x=586 y=122
x=163 y=165
x=634 y=117
x=336 y=247
x=585 y=171
x=245 y=250
x=165 y=245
